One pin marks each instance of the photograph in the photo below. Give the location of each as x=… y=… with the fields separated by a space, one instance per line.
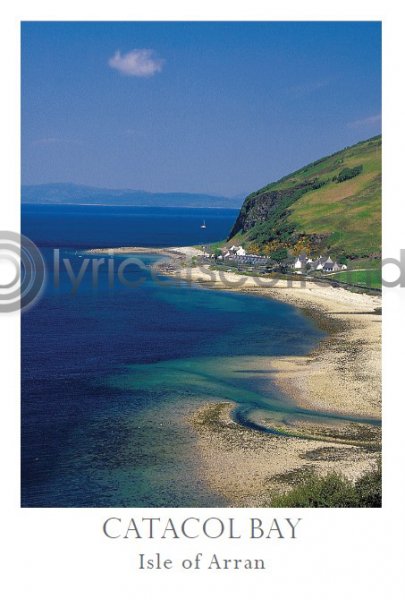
x=201 y=259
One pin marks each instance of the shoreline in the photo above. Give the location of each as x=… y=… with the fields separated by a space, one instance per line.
x=180 y=252
x=341 y=376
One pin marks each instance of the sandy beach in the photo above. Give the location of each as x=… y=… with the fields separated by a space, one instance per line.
x=184 y=252
x=342 y=376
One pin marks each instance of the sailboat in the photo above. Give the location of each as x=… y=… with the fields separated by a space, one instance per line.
x=203 y=226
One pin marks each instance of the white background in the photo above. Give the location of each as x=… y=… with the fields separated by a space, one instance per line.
x=352 y=553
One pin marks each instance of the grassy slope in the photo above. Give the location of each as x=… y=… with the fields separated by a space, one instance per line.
x=348 y=211
x=347 y=215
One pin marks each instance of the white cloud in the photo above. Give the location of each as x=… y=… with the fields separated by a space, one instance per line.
x=373 y=120
x=136 y=63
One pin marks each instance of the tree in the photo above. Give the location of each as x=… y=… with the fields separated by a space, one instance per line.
x=279 y=255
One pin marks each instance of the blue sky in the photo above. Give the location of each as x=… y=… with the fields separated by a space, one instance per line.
x=218 y=108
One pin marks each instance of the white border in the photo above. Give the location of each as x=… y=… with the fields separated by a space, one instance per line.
x=61 y=553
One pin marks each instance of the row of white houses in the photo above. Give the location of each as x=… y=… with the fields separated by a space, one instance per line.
x=323 y=263
x=320 y=264
x=235 y=251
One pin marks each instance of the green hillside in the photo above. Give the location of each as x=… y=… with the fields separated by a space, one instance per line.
x=332 y=205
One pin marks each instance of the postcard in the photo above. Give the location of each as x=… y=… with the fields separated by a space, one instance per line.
x=199 y=277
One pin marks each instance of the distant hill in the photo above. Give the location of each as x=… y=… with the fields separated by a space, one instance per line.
x=332 y=205
x=69 y=193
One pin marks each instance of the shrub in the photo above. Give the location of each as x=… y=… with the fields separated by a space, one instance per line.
x=318 y=184
x=348 y=173
x=334 y=490
x=369 y=489
x=280 y=254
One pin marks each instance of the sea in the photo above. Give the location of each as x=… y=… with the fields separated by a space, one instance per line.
x=113 y=368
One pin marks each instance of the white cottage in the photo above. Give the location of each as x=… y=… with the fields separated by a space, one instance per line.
x=300 y=262
x=330 y=266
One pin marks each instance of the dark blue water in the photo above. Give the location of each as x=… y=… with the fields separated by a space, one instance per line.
x=104 y=226
x=110 y=374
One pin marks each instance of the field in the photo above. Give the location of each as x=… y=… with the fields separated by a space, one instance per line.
x=370 y=278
